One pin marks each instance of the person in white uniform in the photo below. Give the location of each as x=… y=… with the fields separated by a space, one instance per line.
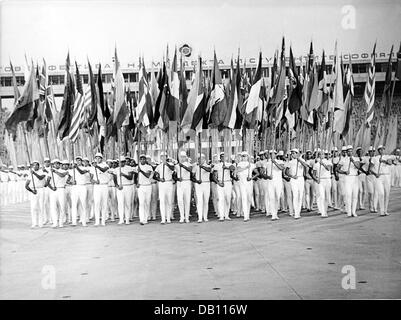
x=201 y=178
x=322 y=176
x=79 y=193
x=222 y=177
x=164 y=176
x=361 y=180
x=274 y=171
x=145 y=174
x=295 y=170
x=309 y=185
x=4 y=200
x=349 y=166
x=155 y=191
x=123 y=177
x=183 y=170
x=100 y=189
x=371 y=181
x=381 y=167
x=35 y=185
x=245 y=172
x=57 y=196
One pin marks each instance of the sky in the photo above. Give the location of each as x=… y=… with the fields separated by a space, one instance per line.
x=93 y=28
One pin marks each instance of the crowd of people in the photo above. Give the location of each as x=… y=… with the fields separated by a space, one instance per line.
x=104 y=191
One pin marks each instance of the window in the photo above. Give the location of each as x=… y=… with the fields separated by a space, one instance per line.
x=20 y=80
x=85 y=78
x=265 y=72
x=56 y=79
x=106 y=78
x=225 y=74
x=5 y=81
x=188 y=75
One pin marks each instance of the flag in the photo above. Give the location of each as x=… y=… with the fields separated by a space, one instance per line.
x=196 y=109
x=280 y=90
x=154 y=93
x=338 y=97
x=17 y=94
x=233 y=113
x=67 y=106
x=162 y=101
x=78 y=111
x=120 y=110
x=369 y=93
x=322 y=95
x=348 y=104
x=173 y=106
x=217 y=104
x=183 y=90
x=386 y=100
x=379 y=137
x=295 y=92
x=391 y=139
x=144 y=108
x=398 y=67
x=24 y=107
x=253 y=102
x=90 y=105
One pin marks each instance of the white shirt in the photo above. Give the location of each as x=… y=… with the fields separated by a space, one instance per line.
x=60 y=182
x=384 y=167
x=164 y=171
x=324 y=173
x=38 y=183
x=277 y=173
x=183 y=173
x=142 y=180
x=104 y=177
x=82 y=179
x=345 y=164
x=202 y=173
x=293 y=164
x=124 y=170
x=3 y=176
x=218 y=167
x=247 y=173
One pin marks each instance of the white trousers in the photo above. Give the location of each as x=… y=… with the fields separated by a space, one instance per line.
x=57 y=206
x=46 y=205
x=202 y=192
x=351 y=188
x=323 y=195
x=124 y=203
x=274 y=191
x=112 y=203
x=184 y=199
x=153 y=202
x=144 y=198
x=238 y=203
x=309 y=193
x=335 y=193
x=100 y=193
x=297 y=190
x=383 y=185
x=246 y=197
x=371 y=189
x=90 y=209
x=4 y=200
x=37 y=208
x=224 y=199
x=79 y=197
x=258 y=194
x=288 y=196
x=166 y=200
x=12 y=192
x=362 y=190
x=266 y=195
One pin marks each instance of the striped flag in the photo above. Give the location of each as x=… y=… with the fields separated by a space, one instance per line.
x=120 y=107
x=196 y=109
x=370 y=88
x=144 y=108
x=17 y=94
x=78 y=111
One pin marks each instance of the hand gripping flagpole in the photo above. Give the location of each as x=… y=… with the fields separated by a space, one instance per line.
x=29 y=158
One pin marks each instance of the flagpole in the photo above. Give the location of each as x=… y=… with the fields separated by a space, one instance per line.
x=118 y=151
x=48 y=152
x=73 y=158
x=29 y=158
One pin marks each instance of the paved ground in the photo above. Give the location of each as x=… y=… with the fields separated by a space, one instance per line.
x=260 y=259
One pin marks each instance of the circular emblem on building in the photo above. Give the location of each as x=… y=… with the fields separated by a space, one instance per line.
x=186 y=50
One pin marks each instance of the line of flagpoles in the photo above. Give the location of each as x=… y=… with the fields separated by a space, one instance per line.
x=303 y=107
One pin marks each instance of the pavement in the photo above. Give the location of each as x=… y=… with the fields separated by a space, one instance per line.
x=260 y=259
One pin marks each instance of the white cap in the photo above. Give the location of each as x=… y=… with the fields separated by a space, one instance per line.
x=318 y=150
x=371 y=148
x=163 y=153
x=183 y=154
x=98 y=155
x=295 y=150
x=148 y=157
x=335 y=149
x=272 y=150
x=142 y=155
x=55 y=160
x=122 y=158
x=221 y=154
x=344 y=148
x=280 y=153
x=349 y=147
x=109 y=160
x=202 y=155
x=381 y=147
x=326 y=151
x=10 y=167
x=244 y=153
x=78 y=157
x=358 y=148
x=65 y=162
x=305 y=151
x=46 y=159
x=85 y=159
x=35 y=161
